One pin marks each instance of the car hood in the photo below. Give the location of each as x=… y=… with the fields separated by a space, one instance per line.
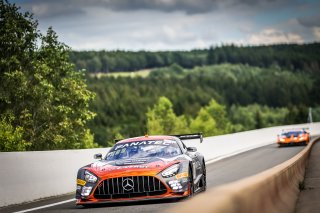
x=132 y=167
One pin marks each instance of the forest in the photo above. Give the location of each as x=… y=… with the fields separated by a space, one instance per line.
x=248 y=97
x=52 y=97
x=258 y=86
x=288 y=56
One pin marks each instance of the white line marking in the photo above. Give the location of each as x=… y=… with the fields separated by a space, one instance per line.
x=46 y=206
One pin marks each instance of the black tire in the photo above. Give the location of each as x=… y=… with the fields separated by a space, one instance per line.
x=191 y=184
x=204 y=177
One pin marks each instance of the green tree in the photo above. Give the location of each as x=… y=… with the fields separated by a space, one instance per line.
x=11 y=137
x=211 y=56
x=219 y=114
x=259 y=121
x=176 y=69
x=42 y=98
x=161 y=119
x=256 y=116
x=211 y=120
x=204 y=123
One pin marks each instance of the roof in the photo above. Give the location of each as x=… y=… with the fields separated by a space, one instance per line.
x=147 y=138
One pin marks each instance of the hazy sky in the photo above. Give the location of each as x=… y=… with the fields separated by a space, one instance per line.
x=176 y=24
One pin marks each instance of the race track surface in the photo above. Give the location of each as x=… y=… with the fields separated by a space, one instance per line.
x=218 y=173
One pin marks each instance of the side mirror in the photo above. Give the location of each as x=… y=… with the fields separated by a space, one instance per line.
x=98 y=156
x=191 y=149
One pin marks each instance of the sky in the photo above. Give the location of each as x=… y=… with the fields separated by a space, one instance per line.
x=176 y=24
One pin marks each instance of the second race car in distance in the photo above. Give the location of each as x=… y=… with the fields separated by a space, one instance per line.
x=293 y=137
x=143 y=168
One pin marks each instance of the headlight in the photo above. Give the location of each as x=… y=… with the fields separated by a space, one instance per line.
x=175 y=184
x=86 y=191
x=89 y=177
x=171 y=171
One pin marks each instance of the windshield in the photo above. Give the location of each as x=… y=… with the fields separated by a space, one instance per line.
x=143 y=149
x=294 y=133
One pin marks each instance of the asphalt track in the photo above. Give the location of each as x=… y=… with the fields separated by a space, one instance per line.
x=218 y=173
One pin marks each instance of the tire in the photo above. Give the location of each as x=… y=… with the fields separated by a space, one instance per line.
x=191 y=184
x=204 y=177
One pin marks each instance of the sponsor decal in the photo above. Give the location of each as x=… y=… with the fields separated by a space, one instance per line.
x=99 y=164
x=125 y=167
x=140 y=143
x=133 y=166
x=182 y=175
x=81 y=182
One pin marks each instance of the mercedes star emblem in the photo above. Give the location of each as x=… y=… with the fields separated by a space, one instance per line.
x=127 y=184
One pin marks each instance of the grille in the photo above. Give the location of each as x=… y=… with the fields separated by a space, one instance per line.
x=129 y=187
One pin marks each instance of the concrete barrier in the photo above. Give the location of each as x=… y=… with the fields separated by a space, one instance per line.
x=274 y=190
x=28 y=176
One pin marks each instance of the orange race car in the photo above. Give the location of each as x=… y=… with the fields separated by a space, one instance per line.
x=143 y=168
x=293 y=137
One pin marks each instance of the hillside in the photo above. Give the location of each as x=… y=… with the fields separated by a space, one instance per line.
x=288 y=56
x=253 y=97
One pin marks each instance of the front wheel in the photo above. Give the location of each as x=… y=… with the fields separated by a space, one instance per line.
x=191 y=184
x=204 y=177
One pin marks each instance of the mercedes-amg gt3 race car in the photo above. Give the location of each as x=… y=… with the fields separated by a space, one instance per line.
x=143 y=168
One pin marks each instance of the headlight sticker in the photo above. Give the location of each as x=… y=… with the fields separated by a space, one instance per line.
x=182 y=175
x=81 y=182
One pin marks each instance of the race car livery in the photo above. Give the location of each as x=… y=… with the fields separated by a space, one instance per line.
x=143 y=168
x=293 y=137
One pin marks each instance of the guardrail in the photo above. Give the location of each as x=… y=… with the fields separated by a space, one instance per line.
x=28 y=176
x=274 y=190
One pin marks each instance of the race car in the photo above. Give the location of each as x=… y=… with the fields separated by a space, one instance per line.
x=293 y=137
x=143 y=168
